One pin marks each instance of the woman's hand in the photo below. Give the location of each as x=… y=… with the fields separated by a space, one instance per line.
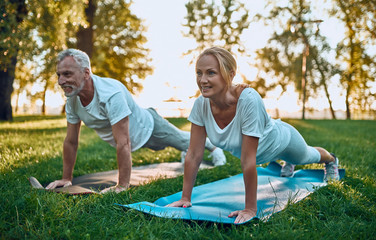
x=243 y=215
x=180 y=203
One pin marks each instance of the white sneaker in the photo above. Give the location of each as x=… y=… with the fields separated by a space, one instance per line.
x=331 y=170
x=182 y=156
x=287 y=170
x=219 y=157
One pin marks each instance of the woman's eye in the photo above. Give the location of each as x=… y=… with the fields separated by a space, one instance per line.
x=211 y=72
x=198 y=73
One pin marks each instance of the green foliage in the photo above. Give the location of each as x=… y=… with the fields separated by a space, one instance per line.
x=39 y=30
x=33 y=32
x=118 y=47
x=214 y=24
x=12 y=32
x=31 y=146
x=282 y=58
x=12 y=39
x=357 y=62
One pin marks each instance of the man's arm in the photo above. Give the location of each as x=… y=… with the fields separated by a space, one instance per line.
x=120 y=131
x=70 y=146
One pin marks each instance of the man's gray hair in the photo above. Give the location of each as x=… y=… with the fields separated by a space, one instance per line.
x=81 y=58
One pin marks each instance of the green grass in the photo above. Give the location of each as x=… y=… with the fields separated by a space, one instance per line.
x=31 y=146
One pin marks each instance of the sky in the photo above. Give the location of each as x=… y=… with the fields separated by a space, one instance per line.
x=173 y=77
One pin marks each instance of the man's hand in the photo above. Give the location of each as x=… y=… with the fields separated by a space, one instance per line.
x=59 y=183
x=243 y=215
x=180 y=203
x=117 y=189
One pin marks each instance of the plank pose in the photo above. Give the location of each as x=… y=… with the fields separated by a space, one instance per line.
x=234 y=118
x=106 y=106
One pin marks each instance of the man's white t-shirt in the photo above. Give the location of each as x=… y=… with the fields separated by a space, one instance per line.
x=251 y=119
x=111 y=103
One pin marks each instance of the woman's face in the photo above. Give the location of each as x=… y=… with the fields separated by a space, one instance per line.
x=209 y=78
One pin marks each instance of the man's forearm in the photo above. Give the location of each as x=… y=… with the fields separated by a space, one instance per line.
x=124 y=159
x=69 y=160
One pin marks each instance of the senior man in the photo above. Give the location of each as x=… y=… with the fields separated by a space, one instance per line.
x=105 y=105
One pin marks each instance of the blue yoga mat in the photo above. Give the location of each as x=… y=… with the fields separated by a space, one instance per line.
x=215 y=201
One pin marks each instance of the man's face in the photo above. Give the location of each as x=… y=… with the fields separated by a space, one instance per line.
x=71 y=77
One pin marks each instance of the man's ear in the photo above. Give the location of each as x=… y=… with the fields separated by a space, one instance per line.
x=87 y=73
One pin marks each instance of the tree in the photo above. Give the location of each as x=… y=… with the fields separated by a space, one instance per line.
x=109 y=33
x=27 y=31
x=22 y=79
x=216 y=25
x=325 y=72
x=118 y=47
x=54 y=23
x=359 y=68
x=113 y=38
x=12 y=13
x=85 y=33
x=46 y=27
x=291 y=56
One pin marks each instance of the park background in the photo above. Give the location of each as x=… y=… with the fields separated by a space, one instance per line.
x=146 y=55
x=161 y=45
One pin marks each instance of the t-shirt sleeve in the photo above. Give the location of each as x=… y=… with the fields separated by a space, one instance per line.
x=253 y=117
x=117 y=108
x=72 y=117
x=196 y=115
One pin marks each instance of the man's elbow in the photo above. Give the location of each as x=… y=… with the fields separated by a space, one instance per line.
x=70 y=143
x=124 y=145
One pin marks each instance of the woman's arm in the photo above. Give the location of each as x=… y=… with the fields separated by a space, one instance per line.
x=192 y=163
x=248 y=162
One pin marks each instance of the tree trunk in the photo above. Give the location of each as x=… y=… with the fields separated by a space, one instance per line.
x=7 y=71
x=63 y=109
x=44 y=108
x=304 y=74
x=348 y=112
x=6 y=89
x=325 y=87
x=44 y=101
x=17 y=100
x=85 y=36
x=329 y=101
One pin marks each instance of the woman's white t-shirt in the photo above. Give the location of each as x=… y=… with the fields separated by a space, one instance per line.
x=251 y=119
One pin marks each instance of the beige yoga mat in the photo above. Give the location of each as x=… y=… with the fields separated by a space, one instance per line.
x=95 y=182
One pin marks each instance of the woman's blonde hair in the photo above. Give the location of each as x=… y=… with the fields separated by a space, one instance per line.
x=227 y=62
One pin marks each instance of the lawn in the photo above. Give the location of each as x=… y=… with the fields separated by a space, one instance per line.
x=31 y=146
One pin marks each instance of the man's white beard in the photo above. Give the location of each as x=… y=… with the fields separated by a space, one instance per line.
x=75 y=90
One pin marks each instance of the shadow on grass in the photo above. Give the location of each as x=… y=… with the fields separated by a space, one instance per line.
x=27 y=118
x=47 y=130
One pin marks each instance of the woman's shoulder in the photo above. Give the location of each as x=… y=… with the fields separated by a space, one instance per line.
x=248 y=93
x=200 y=100
x=249 y=99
